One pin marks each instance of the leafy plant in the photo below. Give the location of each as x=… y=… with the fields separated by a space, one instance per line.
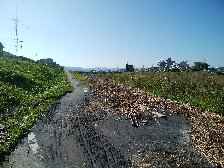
x=26 y=91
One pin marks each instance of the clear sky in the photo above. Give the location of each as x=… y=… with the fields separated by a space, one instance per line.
x=107 y=33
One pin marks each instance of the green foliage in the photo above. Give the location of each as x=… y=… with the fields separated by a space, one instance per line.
x=80 y=77
x=26 y=91
x=204 y=91
x=198 y=66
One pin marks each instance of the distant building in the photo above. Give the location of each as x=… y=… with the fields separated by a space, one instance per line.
x=220 y=69
x=165 y=65
x=5 y=53
x=162 y=65
x=169 y=63
x=129 y=68
x=183 y=65
x=8 y=54
x=1 y=48
x=153 y=69
x=48 y=62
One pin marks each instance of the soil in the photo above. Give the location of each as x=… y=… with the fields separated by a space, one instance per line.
x=66 y=138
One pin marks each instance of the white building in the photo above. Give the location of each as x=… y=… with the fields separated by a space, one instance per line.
x=183 y=65
x=169 y=65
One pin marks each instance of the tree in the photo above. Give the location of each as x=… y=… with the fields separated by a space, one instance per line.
x=198 y=66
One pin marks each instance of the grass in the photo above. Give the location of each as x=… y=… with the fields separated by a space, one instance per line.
x=26 y=91
x=80 y=77
x=199 y=90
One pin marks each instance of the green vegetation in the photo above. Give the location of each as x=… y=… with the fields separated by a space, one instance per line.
x=26 y=91
x=198 y=66
x=80 y=77
x=204 y=91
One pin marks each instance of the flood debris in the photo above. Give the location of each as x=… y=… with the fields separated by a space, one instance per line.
x=140 y=107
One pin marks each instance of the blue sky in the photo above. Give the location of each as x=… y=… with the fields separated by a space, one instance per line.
x=107 y=33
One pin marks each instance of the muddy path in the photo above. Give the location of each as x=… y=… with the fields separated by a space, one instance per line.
x=66 y=138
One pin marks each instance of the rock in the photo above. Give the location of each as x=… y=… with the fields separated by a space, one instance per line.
x=158 y=115
x=2 y=127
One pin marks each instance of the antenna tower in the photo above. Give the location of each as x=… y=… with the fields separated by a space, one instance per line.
x=16 y=21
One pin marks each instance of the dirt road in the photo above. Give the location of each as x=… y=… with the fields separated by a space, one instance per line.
x=64 y=138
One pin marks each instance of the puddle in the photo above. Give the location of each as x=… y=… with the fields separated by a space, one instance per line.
x=186 y=129
x=85 y=90
x=33 y=142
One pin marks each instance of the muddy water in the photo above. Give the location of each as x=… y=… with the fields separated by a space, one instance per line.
x=65 y=138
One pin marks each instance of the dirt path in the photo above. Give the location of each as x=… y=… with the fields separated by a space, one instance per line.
x=62 y=139
x=66 y=139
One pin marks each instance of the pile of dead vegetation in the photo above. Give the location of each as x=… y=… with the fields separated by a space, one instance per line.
x=140 y=107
